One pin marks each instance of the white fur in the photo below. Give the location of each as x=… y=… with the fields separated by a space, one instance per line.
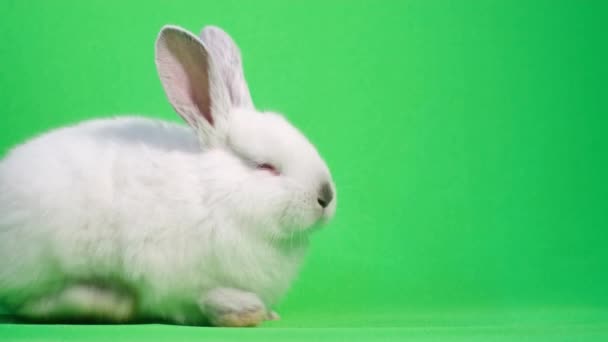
x=158 y=211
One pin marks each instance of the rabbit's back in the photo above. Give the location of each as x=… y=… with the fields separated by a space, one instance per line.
x=63 y=208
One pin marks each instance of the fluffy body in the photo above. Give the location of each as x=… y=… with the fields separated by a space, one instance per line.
x=135 y=202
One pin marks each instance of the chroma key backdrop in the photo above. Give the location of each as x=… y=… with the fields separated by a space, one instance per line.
x=467 y=139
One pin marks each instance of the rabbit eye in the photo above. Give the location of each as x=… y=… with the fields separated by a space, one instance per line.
x=269 y=167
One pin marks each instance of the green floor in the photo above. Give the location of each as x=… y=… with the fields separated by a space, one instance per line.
x=541 y=324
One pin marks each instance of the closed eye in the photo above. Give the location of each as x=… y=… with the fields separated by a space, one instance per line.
x=269 y=167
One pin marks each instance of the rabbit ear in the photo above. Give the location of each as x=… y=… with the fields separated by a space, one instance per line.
x=227 y=58
x=190 y=79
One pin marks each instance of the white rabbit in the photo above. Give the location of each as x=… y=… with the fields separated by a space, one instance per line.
x=130 y=218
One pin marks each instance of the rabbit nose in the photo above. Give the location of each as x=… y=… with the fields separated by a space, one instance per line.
x=325 y=195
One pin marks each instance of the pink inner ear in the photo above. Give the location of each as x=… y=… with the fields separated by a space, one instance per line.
x=183 y=69
x=202 y=100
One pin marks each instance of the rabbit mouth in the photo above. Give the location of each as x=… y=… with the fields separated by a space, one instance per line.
x=322 y=221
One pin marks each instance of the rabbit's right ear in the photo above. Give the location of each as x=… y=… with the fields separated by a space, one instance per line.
x=191 y=82
x=227 y=58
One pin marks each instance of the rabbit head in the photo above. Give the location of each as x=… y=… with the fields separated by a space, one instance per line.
x=204 y=81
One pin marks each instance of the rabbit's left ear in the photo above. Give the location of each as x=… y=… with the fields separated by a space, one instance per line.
x=191 y=81
x=226 y=58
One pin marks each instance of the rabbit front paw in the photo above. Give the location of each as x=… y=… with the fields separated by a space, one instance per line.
x=228 y=307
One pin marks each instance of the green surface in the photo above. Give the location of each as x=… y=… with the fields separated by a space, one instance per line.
x=467 y=140
x=549 y=324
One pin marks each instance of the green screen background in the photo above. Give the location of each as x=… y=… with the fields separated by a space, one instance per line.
x=467 y=140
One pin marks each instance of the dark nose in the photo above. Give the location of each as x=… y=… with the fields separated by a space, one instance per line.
x=325 y=195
